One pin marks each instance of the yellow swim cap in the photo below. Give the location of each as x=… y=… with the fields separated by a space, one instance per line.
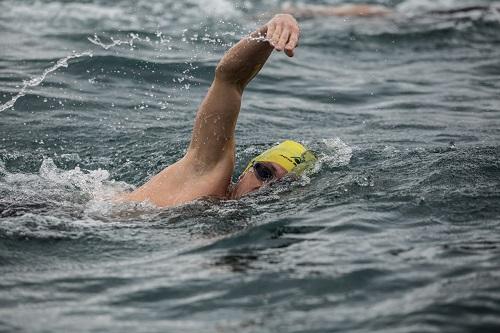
x=291 y=155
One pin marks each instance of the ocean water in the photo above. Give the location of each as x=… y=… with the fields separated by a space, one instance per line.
x=397 y=229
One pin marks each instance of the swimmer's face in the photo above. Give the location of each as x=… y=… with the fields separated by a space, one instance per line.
x=258 y=175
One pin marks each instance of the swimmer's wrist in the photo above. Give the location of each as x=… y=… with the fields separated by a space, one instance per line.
x=260 y=33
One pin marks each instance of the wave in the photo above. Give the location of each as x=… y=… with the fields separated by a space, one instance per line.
x=57 y=16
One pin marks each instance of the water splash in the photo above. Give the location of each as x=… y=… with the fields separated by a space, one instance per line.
x=37 y=80
x=53 y=183
x=334 y=153
x=117 y=42
x=88 y=182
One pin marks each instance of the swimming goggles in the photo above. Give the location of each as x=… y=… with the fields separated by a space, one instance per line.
x=263 y=172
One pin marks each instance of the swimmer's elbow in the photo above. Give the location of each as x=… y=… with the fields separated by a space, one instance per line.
x=226 y=71
x=222 y=72
x=230 y=73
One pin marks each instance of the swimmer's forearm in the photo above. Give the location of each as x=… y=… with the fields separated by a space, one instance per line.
x=245 y=59
x=212 y=145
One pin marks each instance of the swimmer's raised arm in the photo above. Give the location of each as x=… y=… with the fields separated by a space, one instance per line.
x=213 y=133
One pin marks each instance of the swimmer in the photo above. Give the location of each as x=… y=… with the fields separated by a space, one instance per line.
x=364 y=10
x=306 y=11
x=207 y=167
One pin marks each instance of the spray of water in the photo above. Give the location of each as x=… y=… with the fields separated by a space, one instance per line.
x=37 y=80
x=132 y=38
x=117 y=42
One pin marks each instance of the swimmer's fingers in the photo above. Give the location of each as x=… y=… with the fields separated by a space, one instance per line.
x=280 y=30
x=292 y=43
x=275 y=37
x=280 y=46
x=271 y=27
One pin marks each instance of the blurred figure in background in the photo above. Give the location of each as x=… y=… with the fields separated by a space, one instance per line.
x=305 y=11
x=309 y=11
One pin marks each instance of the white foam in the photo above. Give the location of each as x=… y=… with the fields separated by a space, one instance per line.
x=336 y=153
x=59 y=185
x=89 y=182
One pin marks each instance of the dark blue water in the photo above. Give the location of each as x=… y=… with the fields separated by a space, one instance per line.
x=396 y=230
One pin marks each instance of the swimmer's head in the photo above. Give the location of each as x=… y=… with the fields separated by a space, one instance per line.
x=289 y=157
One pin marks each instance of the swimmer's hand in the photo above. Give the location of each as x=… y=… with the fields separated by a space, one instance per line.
x=283 y=32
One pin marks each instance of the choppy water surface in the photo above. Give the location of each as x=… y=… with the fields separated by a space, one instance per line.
x=396 y=230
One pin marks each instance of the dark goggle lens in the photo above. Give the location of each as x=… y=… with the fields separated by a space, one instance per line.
x=263 y=172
